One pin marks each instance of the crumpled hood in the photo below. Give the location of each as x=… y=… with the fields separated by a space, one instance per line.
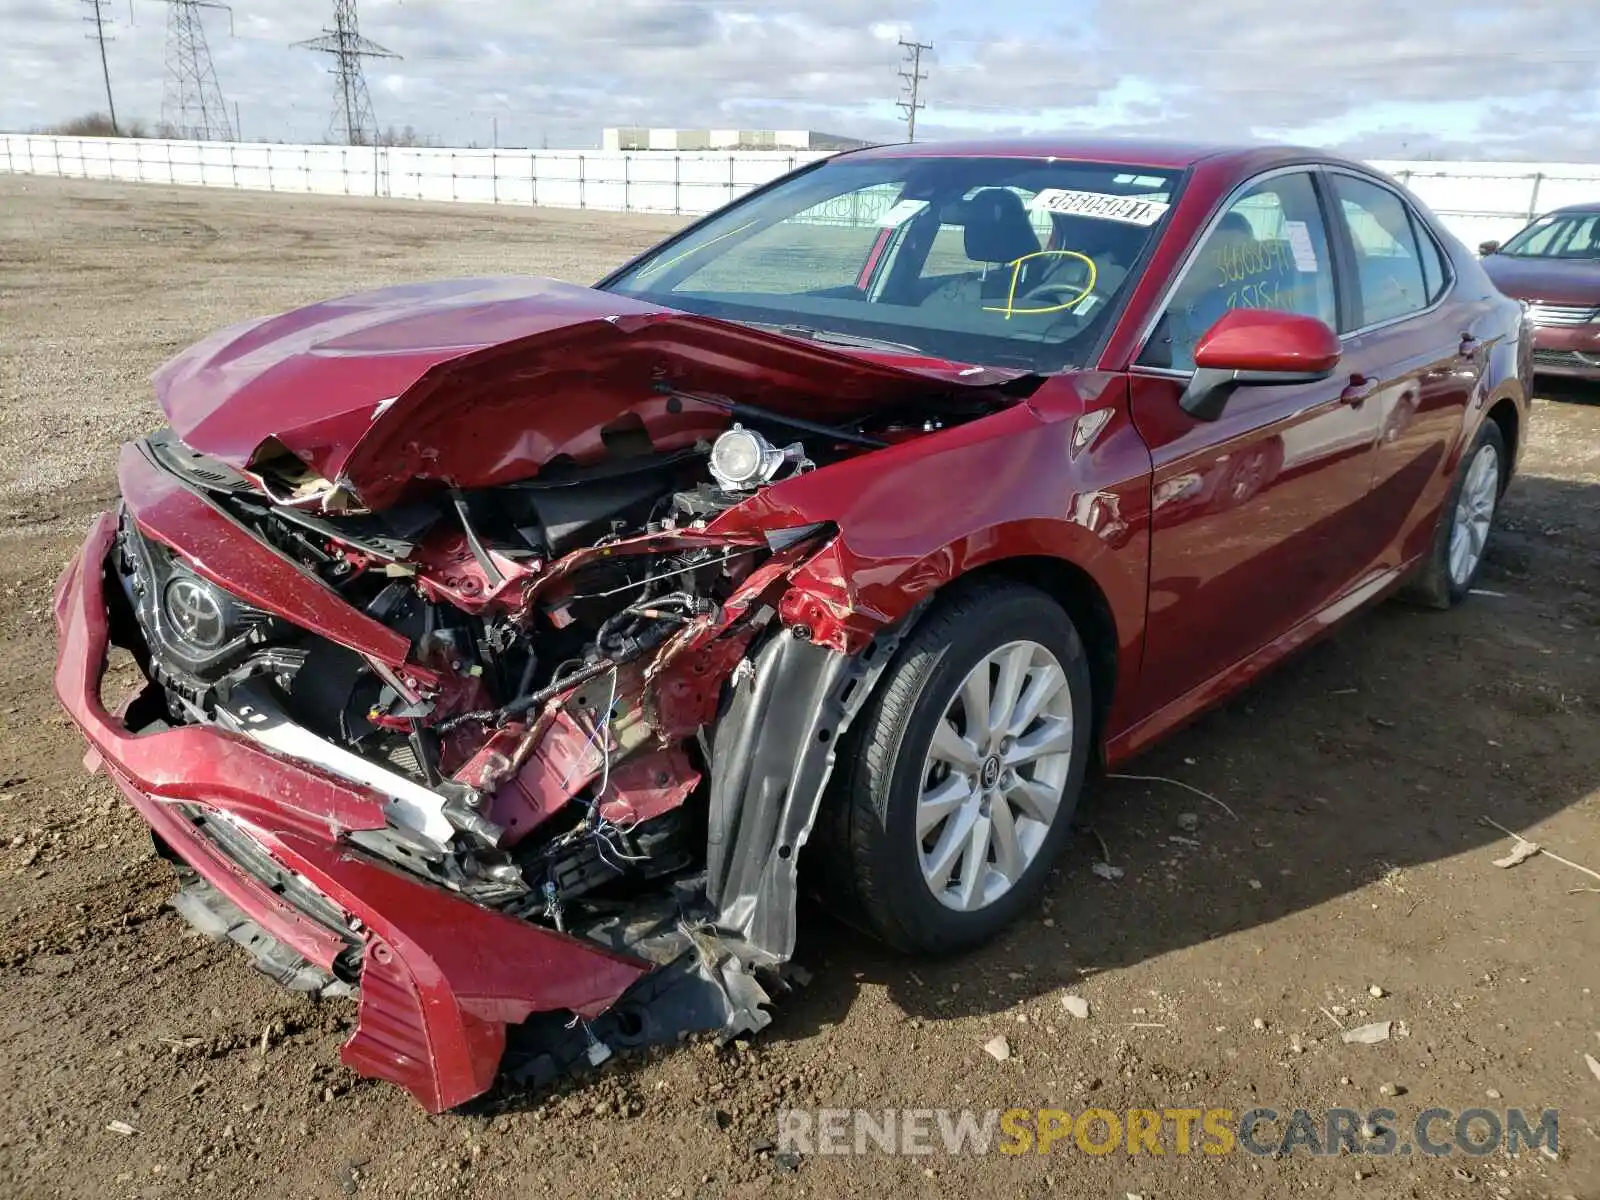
x=1555 y=281
x=478 y=382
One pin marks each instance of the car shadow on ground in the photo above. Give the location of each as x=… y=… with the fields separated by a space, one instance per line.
x=1377 y=750
x=1568 y=391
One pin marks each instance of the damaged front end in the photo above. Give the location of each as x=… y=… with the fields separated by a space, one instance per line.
x=496 y=755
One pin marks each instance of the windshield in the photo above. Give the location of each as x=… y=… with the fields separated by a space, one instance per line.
x=1000 y=261
x=1562 y=235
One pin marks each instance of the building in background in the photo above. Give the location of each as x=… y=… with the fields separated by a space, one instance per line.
x=635 y=138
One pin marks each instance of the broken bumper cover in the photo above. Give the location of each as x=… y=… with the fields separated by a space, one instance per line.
x=440 y=978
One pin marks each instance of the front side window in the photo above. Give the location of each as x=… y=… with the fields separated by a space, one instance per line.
x=1001 y=261
x=1268 y=250
x=1389 y=273
x=1564 y=235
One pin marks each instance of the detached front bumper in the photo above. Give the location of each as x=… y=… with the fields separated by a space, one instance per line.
x=440 y=978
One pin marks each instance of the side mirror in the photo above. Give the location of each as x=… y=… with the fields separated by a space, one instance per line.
x=1487 y=248
x=1254 y=347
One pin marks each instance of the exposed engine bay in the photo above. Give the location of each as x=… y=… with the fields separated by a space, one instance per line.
x=498 y=638
x=563 y=743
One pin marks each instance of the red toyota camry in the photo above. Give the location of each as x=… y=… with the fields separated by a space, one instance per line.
x=516 y=651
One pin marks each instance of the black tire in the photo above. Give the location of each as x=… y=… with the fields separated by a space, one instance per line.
x=1431 y=584
x=873 y=875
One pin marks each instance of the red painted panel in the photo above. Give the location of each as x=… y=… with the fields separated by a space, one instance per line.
x=1264 y=339
x=1255 y=522
x=234 y=559
x=446 y=976
x=1061 y=476
x=1423 y=385
x=482 y=381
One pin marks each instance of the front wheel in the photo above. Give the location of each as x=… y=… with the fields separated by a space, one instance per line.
x=958 y=788
x=1446 y=576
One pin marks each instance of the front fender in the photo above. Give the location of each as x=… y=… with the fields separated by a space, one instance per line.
x=1064 y=477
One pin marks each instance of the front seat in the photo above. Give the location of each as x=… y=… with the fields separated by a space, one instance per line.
x=1233 y=242
x=1203 y=295
x=997 y=232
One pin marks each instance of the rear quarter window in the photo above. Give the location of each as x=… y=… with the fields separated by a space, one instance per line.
x=1435 y=269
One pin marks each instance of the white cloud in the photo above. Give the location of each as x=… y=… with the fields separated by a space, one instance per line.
x=1457 y=76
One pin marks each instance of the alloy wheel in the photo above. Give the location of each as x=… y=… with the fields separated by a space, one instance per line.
x=993 y=776
x=1474 y=514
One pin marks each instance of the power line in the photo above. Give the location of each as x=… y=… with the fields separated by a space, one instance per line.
x=353 y=122
x=191 y=99
x=913 y=83
x=97 y=18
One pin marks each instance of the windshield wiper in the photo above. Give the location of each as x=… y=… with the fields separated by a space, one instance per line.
x=833 y=337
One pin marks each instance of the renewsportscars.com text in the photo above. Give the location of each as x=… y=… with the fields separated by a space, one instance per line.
x=1261 y=1131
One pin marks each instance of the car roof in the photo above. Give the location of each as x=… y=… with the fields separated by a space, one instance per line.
x=1117 y=151
x=1575 y=210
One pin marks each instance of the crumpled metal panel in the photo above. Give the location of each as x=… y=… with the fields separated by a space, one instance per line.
x=241 y=563
x=442 y=976
x=482 y=381
x=771 y=760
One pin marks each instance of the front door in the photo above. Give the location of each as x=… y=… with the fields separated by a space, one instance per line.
x=1255 y=520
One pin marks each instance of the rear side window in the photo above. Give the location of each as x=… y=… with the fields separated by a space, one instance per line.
x=1391 y=276
x=1268 y=250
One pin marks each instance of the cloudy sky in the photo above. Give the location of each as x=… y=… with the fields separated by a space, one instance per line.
x=1382 y=78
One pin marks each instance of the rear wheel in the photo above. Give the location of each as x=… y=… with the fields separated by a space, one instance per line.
x=1447 y=575
x=957 y=790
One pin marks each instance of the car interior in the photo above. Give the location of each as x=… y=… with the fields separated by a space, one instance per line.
x=954 y=257
x=1210 y=288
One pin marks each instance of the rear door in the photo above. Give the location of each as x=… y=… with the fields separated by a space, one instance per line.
x=1256 y=516
x=1414 y=344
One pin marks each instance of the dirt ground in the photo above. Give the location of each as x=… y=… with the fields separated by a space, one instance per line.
x=1217 y=971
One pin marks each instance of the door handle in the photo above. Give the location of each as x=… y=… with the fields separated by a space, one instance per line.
x=1359 y=391
x=1469 y=346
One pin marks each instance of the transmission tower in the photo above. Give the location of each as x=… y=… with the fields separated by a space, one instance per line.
x=913 y=84
x=97 y=18
x=353 y=122
x=191 y=99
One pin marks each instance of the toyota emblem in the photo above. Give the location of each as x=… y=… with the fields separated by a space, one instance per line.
x=195 y=612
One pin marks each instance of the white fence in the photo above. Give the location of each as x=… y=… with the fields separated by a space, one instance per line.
x=685 y=182
x=1478 y=200
x=1483 y=200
